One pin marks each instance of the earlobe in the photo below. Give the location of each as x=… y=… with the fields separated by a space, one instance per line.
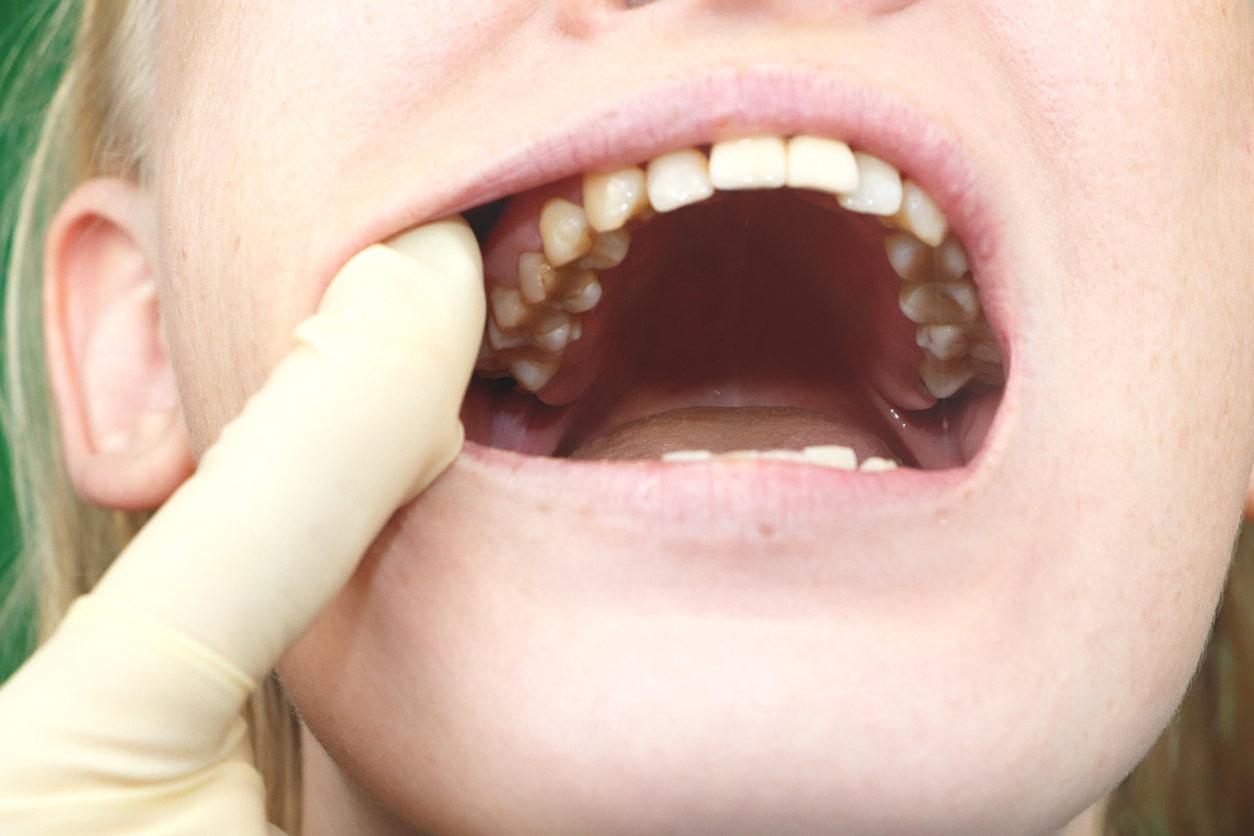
x=126 y=444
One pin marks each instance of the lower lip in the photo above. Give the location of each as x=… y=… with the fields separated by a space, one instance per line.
x=779 y=495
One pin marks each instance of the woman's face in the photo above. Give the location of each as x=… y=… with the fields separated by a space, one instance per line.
x=985 y=643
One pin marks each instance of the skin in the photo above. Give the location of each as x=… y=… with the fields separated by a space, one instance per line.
x=500 y=665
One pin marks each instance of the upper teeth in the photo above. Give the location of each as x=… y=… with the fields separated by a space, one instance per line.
x=531 y=326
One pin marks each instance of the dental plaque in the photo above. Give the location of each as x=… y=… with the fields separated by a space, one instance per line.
x=581 y=231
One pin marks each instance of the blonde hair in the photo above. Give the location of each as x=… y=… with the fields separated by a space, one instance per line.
x=1196 y=781
x=98 y=124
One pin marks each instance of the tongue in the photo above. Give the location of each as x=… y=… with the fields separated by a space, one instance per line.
x=726 y=429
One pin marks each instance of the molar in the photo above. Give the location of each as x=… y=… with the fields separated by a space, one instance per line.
x=937 y=303
x=944 y=379
x=608 y=250
x=909 y=257
x=533 y=375
x=743 y=164
x=678 y=179
x=611 y=200
x=564 y=231
x=879 y=189
x=824 y=165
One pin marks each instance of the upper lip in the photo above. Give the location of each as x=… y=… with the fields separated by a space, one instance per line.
x=728 y=103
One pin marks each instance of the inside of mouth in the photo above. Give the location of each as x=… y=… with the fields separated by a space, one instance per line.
x=763 y=320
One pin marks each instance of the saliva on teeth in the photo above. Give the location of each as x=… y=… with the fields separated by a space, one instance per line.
x=532 y=325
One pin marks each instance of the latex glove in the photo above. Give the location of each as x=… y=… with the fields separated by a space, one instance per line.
x=128 y=719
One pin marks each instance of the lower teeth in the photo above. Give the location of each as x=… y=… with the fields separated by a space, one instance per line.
x=830 y=456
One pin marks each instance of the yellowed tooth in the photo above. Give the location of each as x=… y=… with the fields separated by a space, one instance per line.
x=951 y=260
x=755 y=163
x=553 y=333
x=536 y=278
x=564 y=231
x=945 y=342
x=508 y=307
x=687 y=456
x=533 y=375
x=877 y=465
x=943 y=380
x=879 y=189
x=921 y=216
x=824 y=165
x=608 y=250
x=582 y=293
x=935 y=303
x=986 y=351
x=910 y=258
x=832 y=455
x=677 y=179
x=611 y=200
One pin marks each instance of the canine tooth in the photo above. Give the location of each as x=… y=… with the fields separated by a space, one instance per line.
x=945 y=342
x=920 y=215
x=564 y=231
x=499 y=341
x=832 y=455
x=910 y=258
x=507 y=307
x=608 y=250
x=877 y=465
x=879 y=189
x=536 y=278
x=935 y=303
x=687 y=456
x=553 y=333
x=945 y=379
x=755 y=163
x=824 y=165
x=611 y=200
x=533 y=375
x=951 y=261
x=584 y=295
x=678 y=179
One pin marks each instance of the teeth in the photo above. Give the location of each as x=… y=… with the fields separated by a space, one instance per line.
x=757 y=163
x=584 y=294
x=920 y=215
x=688 y=456
x=879 y=189
x=611 y=200
x=608 y=250
x=951 y=261
x=910 y=258
x=536 y=278
x=564 y=231
x=940 y=303
x=877 y=465
x=824 y=165
x=832 y=455
x=678 y=179
x=508 y=308
x=533 y=375
x=544 y=314
x=944 y=342
x=553 y=333
x=943 y=380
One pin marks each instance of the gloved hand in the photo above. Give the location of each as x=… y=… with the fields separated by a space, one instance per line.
x=127 y=721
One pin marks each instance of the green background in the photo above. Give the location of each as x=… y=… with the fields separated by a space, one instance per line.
x=18 y=30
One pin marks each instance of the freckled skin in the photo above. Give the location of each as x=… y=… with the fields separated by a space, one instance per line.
x=501 y=664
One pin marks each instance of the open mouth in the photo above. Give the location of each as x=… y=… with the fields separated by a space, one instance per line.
x=771 y=297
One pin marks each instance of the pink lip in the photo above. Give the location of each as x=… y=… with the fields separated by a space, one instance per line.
x=721 y=104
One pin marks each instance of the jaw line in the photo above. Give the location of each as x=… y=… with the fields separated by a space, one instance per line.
x=725 y=103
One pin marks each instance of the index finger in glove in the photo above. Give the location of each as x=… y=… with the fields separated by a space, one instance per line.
x=359 y=418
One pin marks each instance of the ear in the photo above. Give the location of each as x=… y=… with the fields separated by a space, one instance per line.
x=126 y=444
